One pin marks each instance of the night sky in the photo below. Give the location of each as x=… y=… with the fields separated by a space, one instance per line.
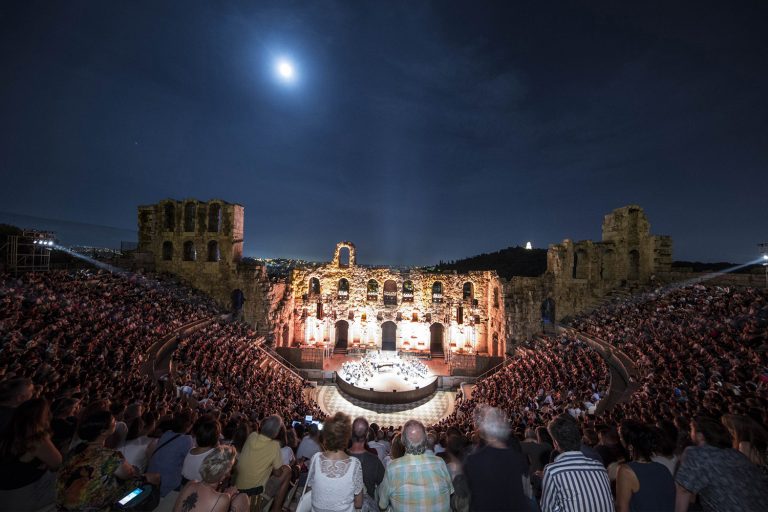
x=420 y=131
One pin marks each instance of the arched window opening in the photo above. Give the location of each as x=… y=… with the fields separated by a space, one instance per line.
x=213 y=251
x=390 y=293
x=495 y=297
x=437 y=292
x=372 y=293
x=580 y=265
x=167 y=251
x=467 y=292
x=314 y=286
x=608 y=267
x=190 y=254
x=343 y=289
x=190 y=210
x=408 y=291
x=214 y=217
x=170 y=217
x=344 y=257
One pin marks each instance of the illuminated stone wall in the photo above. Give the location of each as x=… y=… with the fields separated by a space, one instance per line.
x=468 y=309
x=202 y=244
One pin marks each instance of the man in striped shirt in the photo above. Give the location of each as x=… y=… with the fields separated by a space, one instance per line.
x=417 y=481
x=573 y=483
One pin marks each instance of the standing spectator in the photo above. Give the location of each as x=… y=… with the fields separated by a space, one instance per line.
x=27 y=455
x=261 y=464
x=495 y=472
x=373 y=468
x=336 y=478
x=642 y=485
x=724 y=479
x=416 y=481
x=573 y=482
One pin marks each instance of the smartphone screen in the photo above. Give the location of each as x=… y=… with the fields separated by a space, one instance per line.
x=128 y=497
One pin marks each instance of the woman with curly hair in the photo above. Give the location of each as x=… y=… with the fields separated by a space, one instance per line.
x=641 y=484
x=27 y=455
x=336 y=478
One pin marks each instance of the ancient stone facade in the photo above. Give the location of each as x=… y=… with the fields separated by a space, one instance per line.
x=580 y=274
x=202 y=243
x=342 y=304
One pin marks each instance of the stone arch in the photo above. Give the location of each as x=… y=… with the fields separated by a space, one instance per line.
x=190 y=210
x=468 y=291
x=372 y=290
x=548 y=312
x=390 y=293
x=350 y=256
x=169 y=217
x=408 y=291
x=389 y=335
x=343 y=289
x=634 y=265
x=214 y=217
x=495 y=296
x=437 y=292
x=342 y=334
x=580 y=264
x=313 y=288
x=495 y=345
x=167 y=250
x=436 y=339
x=608 y=266
x=213 y=251
x=190 y=253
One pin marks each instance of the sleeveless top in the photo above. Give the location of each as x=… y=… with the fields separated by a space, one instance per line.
x=657 y=488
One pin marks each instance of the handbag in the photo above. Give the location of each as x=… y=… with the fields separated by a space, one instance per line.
x=305 y=502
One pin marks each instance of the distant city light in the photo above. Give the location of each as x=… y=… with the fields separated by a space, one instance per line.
x=529 y=245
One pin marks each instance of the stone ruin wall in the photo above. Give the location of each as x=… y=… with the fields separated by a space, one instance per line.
x=215 y=231
x=482 y=322
x=579 y=276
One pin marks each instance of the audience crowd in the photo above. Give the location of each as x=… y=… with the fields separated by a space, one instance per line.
x=85 y=422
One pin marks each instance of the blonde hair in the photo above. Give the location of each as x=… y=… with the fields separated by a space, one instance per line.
x=217 y=464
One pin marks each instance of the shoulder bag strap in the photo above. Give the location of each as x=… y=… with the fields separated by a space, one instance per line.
x=164 y=444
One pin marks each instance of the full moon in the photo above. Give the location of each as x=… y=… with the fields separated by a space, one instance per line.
x=285 y=70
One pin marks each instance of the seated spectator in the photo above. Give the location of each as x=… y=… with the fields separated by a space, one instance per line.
x=721 y=477
x=137 y=440
x=373 y=468
x=94 y=477
x=310 y=444
x=749 y=437
x=166 y=456
x=206 y=431
x=27 y=457
x=13 y=392
x=642 y=485
x=397 y=450
x=205 y=495
x=260 y=468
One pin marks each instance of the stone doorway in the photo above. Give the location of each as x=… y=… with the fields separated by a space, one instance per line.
x=436 y=347
x=388 y=336
x=548 y=313
x=634 y=266
x=342 y=335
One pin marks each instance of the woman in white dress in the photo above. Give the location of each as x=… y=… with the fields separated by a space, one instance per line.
x=336 y=478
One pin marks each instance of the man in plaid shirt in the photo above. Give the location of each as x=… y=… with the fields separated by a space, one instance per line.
x=417 y=481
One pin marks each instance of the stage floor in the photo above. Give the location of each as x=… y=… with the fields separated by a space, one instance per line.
x=429 y=410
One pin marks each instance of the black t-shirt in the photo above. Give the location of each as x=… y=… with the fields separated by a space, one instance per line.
x=495 y=478
x=373 y=471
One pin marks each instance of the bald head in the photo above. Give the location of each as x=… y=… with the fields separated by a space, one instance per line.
x=359 y=430
x=414 y=437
